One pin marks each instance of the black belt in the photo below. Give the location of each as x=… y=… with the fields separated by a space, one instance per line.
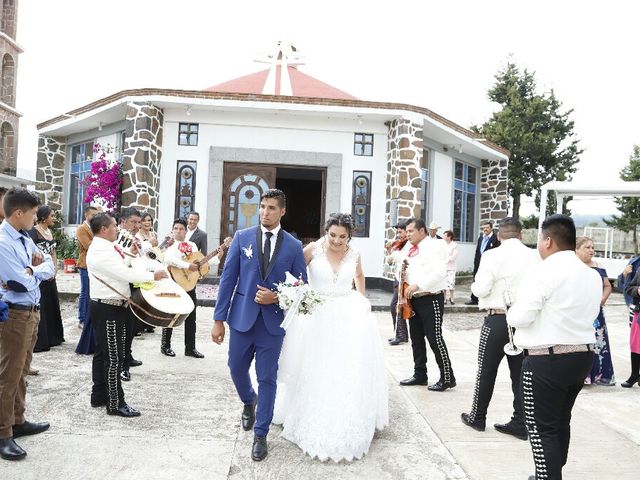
x=28 y=308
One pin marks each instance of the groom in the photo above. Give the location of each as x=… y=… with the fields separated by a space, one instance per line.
x=257 y=259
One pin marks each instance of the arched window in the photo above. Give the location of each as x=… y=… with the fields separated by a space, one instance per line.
x=244 y=201
x=8 y=80
x=7 y=150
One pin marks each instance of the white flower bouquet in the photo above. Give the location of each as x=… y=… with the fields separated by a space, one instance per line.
x=296 y=298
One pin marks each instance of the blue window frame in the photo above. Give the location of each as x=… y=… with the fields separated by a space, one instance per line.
x=361 y=203
x=465 y=185
x=81 y=158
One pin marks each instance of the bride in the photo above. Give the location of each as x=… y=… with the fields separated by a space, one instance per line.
x=332 y=386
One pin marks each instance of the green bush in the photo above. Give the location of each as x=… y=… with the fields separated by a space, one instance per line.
x=67 y=247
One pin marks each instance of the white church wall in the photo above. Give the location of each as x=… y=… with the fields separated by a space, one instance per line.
x=276 y=132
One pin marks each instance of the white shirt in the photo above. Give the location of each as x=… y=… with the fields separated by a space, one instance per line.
x=175 y=258
x=273 y=239
x=503 y=268
x=558 y=301
x=187 y=237
x=104 y=261
x=428 y=268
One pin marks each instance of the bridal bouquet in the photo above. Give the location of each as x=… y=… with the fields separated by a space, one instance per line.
x=296 y=298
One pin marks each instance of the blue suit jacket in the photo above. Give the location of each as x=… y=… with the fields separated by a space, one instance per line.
x=242 y=274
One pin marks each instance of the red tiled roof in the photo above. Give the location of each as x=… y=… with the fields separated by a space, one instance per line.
x=302 y=85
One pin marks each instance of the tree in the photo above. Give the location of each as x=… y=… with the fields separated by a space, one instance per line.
x=629 y=207
x=531 y=125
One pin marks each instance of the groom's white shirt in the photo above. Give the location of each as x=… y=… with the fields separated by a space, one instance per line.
x=273 y=239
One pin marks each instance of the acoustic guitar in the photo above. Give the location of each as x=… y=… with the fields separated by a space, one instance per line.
x=165 y=304
x=188 y=279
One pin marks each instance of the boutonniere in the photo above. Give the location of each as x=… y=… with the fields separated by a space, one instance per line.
x=184 y=248
x=248 y=251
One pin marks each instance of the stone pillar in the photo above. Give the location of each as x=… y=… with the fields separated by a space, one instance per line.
x=404 y=160
x=50 y=171
x=142 y=156
x=494 y=197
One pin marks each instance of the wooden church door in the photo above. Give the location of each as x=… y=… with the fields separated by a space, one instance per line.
x=243 y=185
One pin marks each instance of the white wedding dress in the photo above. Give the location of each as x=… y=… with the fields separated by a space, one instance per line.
x=332 y=385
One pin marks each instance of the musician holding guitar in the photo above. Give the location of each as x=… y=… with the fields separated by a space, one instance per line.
x=396 y=252
x=109 y=279
x=426 y=277
x=187 y=265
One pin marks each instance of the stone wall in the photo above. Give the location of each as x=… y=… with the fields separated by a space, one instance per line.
x=494 y=200
x=404 y=159
x=50 y=171
x=8 y=17
x=142 y=156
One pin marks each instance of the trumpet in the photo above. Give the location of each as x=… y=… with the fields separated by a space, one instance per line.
x=510 y=348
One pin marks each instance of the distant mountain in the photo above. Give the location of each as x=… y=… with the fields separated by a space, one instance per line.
x=590 y=220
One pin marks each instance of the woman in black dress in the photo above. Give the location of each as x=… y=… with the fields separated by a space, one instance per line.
x=50 y=329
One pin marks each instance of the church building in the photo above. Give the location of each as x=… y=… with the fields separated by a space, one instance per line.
x=216 y=150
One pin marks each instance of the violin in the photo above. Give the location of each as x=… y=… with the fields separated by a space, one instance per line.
x=396 y=245
x=404 y=309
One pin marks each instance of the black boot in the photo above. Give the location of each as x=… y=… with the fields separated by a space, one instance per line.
x=476 y=424
x=635 y=371
x=165 y=343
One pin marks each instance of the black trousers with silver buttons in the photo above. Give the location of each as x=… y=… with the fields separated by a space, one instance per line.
x=427 y=322
x=109 y=324
x=550 y=386
x=493 y=337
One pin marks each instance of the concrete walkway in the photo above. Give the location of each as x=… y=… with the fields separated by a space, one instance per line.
x=190 y=424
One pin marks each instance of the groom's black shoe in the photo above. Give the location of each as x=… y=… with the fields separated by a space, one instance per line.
x=259 y=450
x=249 y=415
x=414 y=381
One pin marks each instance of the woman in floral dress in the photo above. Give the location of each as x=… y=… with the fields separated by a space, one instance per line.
x=602 y=371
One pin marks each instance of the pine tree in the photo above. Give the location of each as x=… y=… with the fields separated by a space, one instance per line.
x=531 y=125
x=629 y=207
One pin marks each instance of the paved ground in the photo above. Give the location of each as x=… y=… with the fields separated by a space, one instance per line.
x=190 y=422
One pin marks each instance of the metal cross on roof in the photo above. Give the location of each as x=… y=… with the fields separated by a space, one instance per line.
x=284 y=56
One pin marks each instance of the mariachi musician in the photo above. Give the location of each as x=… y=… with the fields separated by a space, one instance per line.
x=426 y=276
x=109 y=279
x=501 y=271
x=175 y=256
x=396 y=252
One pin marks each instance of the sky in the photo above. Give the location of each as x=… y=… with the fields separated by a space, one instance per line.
x=438 y=55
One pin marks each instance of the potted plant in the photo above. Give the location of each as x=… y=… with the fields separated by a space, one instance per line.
x=67 y=252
